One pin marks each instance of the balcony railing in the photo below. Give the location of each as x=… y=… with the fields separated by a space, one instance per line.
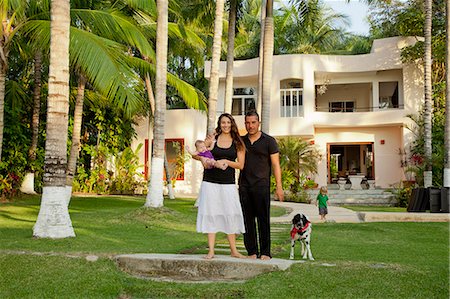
x=355 y=109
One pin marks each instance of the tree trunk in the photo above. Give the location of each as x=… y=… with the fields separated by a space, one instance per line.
x=428 y=111
x=261 y=58
x=230 y=57
x=3 y=68
x=151 y=99
x=155 y=189
x=447 y=99
x=28 y=184
x=76 y=133
x=53 y=220
x=215 y=61
x=267 y=67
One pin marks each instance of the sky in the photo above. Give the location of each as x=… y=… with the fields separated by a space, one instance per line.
x=356 y=10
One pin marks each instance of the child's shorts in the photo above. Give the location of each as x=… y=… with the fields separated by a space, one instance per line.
x=323 y=211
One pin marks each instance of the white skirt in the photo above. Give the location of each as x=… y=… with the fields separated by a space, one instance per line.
x=219 y=209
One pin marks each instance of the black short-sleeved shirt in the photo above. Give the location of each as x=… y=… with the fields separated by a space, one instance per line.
x=257 y=168
x=217 y=175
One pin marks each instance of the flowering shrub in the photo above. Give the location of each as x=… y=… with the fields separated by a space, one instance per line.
x=9 y=185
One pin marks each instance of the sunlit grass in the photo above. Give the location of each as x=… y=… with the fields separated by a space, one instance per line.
x=366 y=260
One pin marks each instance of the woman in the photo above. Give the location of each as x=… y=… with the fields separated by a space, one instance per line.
x=219 y=208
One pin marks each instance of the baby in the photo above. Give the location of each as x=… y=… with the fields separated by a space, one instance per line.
x=205 y=154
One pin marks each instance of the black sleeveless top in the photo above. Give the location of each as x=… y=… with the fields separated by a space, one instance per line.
x=217 y=175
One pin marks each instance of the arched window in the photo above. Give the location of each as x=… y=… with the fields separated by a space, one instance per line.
x=291 y=98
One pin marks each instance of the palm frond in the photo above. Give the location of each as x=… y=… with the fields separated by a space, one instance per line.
x=114 y=25
x=193 y=97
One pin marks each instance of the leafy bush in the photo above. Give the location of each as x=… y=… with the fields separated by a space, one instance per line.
x=126 y=178
x=298 y=159
x=402 y=193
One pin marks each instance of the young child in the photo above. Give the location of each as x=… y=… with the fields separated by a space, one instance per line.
x=202 y=151
x=322 y=199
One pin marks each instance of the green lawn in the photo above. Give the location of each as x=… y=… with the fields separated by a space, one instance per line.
x=370 y=260
x=374 y=208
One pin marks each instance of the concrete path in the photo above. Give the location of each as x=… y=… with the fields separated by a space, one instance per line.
x=194 y=268
x=343 y=215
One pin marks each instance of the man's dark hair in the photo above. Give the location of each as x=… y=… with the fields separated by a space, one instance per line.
x=252 y=113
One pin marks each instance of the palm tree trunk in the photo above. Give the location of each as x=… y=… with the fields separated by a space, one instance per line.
x=230 y=57
x=261 y=58
x=53 y=220
x=428 y=173
x=151 y=99
x=28 y=183
x=215 y=60
x=155 y=189
x=267 y=67
x=76 y=134
x=3 y=68
x=447 y=99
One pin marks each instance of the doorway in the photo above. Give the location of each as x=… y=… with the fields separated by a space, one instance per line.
x=350 y=158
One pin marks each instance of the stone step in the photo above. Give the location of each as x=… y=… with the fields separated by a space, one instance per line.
x=189 y=268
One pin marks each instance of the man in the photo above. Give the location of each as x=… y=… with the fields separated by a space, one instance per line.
x=254 y=186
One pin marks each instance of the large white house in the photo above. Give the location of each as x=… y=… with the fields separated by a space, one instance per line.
x=352 y=107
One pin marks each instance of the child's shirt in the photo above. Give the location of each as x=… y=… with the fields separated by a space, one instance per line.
x=206 y=154
x=322 y=200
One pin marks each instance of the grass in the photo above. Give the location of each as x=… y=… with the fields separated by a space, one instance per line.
x=369 y=260
x=374 y=208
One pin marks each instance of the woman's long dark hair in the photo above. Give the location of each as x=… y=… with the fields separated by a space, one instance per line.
x=237 y=140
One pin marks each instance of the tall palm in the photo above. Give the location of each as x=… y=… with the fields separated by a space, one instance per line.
x=28 y=183
x=155 y=189
x=76 y=132
x=230 y=56
x=261 y=57
x=267 y=66
x=54 y=220
x=215 y=60
x=428 y=173
x=447 y=98
x=12 y=14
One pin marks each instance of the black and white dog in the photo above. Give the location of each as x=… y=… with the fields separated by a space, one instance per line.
x=301 y=231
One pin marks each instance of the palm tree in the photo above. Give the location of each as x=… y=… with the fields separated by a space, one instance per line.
x=155 y=189
x=267 y=66
x=12 y=14
x=215 y=60
x=54 y=220
x=447 y=99
x=230 y=56
x=76 y=132
x=28 y=183
x=428 y=173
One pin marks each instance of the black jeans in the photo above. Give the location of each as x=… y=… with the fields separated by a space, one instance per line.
x=255 y=202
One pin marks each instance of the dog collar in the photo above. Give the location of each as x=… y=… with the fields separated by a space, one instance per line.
x=294 y=230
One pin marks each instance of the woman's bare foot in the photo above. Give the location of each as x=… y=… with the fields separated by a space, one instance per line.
x=209 y=256
x=253 y=257
x=265 y=257
x=238 y=255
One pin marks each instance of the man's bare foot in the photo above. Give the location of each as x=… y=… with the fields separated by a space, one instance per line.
x=253 y=257
x=238 y=255
x=265 y=257
x=209 y=256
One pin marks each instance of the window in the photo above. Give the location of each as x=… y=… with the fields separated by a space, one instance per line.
x=291 y=102
x=175 y=156
x=244 y=100
x=291 y=98
x=388 y=95
x=344 y=106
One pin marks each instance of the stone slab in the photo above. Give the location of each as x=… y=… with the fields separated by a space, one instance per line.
x=194 y=268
